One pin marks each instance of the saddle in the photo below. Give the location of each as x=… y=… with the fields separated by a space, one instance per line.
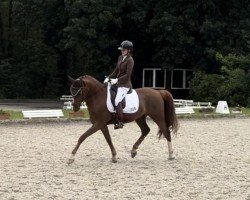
x=131 y=99
x=113 y=93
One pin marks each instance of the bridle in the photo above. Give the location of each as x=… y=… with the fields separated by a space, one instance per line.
x=75 y=93
x=77 y=89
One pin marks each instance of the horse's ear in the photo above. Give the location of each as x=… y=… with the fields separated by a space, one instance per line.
x=71 y=79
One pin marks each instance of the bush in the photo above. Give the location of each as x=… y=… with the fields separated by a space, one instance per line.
x=231 y=83
x=230 y=86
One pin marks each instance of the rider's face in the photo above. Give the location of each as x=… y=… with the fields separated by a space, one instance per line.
x=124 y=52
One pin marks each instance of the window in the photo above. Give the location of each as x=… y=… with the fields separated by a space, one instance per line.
x=160 y=79
x=155 y=78
x=180 y=78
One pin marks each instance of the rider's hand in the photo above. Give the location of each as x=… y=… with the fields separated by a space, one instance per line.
x=114 y=81
x=106 y=80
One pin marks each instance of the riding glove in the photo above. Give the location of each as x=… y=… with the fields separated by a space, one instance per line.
x=114 y=81
x=106 y=80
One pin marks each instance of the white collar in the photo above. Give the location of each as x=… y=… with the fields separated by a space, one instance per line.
x=124 y=58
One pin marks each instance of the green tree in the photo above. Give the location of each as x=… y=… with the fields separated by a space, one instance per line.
x=231 y=83
x=91 y=35
x=1 y=33
x=33 y=63
x=44 y=41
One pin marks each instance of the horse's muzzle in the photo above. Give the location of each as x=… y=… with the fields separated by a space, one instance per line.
x=76 y=107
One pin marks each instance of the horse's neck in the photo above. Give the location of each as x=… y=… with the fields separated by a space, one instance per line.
x=95 y=88
x=92 y=81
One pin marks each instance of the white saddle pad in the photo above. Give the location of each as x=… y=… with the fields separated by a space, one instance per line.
x=132 y=102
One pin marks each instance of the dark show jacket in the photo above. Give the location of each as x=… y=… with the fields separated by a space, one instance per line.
x=123 y=71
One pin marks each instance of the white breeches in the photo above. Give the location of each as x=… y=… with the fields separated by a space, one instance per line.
x=121 y=93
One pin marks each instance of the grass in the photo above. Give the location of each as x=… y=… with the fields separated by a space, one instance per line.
x=245 y=111
x=15 y=115
x=66 y=113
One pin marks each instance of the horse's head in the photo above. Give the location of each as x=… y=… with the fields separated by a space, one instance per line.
x=77 y=90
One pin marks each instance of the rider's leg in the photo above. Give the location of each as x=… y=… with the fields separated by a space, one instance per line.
x=121 y=93
x=119 y=114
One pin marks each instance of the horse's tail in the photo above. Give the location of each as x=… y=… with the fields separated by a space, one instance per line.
x=170 y=115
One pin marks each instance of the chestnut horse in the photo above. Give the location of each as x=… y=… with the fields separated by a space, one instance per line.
x=157 y=104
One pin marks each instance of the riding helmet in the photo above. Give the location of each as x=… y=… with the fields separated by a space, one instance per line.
x=126 y=44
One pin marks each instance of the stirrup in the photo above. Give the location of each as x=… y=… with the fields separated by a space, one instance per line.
x=118 y=125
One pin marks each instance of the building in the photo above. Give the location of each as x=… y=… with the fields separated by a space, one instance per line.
x=176 y=80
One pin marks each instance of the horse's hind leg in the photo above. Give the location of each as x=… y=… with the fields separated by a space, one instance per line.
x=165 y=131
x=167 y=135
x=106 y=134
x=144 y=132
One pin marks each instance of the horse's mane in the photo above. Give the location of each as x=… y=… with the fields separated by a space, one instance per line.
x=88 y=77
x=92 y=80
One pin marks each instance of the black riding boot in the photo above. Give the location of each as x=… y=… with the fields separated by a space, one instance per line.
x=119 y=114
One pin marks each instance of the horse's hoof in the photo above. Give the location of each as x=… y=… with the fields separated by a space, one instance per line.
x=70 y=161
x=114 y=160
x=133 y=154
x=171 y=157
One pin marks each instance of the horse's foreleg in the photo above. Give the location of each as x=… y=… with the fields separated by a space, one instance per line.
x=141 y=122
x=106 y=134
x=90 y=131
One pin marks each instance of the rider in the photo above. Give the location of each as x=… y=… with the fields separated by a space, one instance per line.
x=121 y=76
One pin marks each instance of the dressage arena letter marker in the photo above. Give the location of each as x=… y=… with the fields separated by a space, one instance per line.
x=222 y=108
